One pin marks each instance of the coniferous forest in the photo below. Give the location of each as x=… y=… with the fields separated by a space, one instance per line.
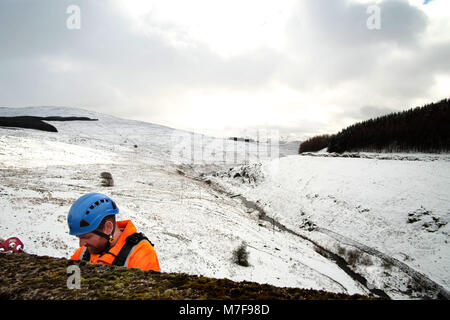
x=422 y=129
x=315 y=143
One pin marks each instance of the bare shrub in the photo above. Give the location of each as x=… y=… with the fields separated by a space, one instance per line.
x=107 y=179
x=353 y=257
x=366 y=261
x=387 y=265
x=106 y=175
x=240 y=255
x=341 y=251
x=321 y=251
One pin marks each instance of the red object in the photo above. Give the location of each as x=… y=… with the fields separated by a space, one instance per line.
x=11 y=245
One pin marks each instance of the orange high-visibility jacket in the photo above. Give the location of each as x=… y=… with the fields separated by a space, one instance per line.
x=143 y=256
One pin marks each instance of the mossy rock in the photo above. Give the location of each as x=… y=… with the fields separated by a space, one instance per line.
x=27 y=276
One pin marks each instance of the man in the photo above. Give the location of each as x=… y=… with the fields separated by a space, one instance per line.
x=103 y=240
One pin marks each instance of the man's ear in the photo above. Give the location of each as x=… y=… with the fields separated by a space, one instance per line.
x=108 y=228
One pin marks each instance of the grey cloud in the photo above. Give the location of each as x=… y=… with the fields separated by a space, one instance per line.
x=403 y=78
x=367 y=112
x=109 y=55
x=334 y=45
x=344 y=23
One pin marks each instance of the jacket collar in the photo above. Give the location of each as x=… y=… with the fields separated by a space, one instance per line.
x=127 y=228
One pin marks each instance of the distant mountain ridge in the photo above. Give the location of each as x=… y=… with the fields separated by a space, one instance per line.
x=108 y=123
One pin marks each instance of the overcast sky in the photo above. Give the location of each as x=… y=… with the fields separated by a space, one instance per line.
x=301 y=67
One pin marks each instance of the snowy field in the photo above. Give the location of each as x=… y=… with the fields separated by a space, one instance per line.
x=395 y=212
x=398 y=208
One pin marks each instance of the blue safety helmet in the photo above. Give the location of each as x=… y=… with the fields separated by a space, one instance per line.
x=88 y=211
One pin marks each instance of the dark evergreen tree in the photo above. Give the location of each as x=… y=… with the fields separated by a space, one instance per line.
x=422 y=129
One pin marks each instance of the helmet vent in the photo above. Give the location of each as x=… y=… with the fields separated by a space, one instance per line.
x=114 y=205
x=91 y=207
x=84 y=223
x=87 y=212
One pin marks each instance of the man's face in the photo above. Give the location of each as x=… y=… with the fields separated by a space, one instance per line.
x=93 y=242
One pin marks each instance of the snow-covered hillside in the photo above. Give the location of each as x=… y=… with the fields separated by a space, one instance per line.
x=387 y=208
x=159 y=182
